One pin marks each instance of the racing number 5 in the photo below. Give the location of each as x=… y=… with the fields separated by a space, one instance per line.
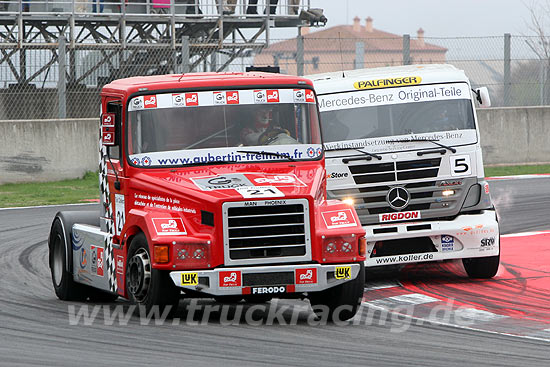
x=460 y=165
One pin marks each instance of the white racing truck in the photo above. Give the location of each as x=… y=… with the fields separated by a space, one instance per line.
x=402 y=144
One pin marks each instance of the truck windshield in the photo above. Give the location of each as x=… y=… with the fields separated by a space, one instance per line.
x=226 y=126
x=439 y=112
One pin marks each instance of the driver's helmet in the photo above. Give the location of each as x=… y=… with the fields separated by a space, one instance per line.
x=257 y=122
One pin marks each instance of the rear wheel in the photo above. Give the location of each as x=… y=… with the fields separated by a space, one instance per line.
x=482 y=267
x=65 y=287
x=148 y=287
x=342 y=302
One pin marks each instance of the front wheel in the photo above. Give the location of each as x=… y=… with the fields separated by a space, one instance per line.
x=342 y=301
x=150 y=288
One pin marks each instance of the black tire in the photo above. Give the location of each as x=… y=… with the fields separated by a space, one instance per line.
x=146 y=286
x=97 y=295
x=482 y=267
x=344 y=299
x=66 y=289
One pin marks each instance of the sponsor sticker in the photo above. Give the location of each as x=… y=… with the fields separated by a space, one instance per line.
x=108 y=120
x=310 y=96
x=488 y=242
x=222 y=182
x=342 y=272
x=299 y=95
x=191 y=99
x=389 y=82
x=339 y=218
x=260 y=96
x=108 y=135
x=306 y=276
x=189 y=279
x=230 y=278
x=169 y=226
x=219 y=98
x=150 y=101
x=178 y=100
x=447 y=243
x=98 y=260
x=268 y=290
x=232 y=97
x=120 y=264
x=392 y=217
x=276 y=180
x=272 y=96
x=337 y=175
x=137 y=103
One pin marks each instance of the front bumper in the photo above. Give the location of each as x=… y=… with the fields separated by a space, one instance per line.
x=467 y=236
x=275 y=280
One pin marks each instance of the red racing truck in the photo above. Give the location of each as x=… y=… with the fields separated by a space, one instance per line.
x=211 y=185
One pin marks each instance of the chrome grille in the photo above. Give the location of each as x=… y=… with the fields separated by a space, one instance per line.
x=269 y=231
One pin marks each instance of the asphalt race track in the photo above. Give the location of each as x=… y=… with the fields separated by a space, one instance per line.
x=503 y=321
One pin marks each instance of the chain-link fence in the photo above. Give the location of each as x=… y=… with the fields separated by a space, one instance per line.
x=57 y=79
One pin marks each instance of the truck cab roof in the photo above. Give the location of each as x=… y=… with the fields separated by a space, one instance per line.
x=343 y=81
x=132 y=85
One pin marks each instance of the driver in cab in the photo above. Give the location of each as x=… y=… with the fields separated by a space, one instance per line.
x=261 y=130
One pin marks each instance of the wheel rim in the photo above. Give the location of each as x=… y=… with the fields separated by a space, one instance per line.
x=57 y=265
x=138 y=274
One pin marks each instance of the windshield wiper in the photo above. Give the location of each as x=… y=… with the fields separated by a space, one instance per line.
x=368 y=157
x=274 y=154
x=433 y=141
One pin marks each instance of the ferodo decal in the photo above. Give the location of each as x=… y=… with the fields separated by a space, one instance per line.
x=169 y=226
x=339 y=218
x=389 y=82
x=189 y=279
x=230 y=278
x=306 y=276
x=342 y=272
x=268 y=290
x=392 y=217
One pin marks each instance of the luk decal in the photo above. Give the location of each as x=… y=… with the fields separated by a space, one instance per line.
x=178 y=100
x=232 y=97
x=306 y=276
x=189 y=279
x=339 y=218
x=259 y=96
x=98 y=260
x=447 y=243
x=191 y=99
x=299 y=95
x=385 y=83
x=392 y=217
x=219 y=98
x=268 y=290
x=120 y=264
x=230 y=278
x=169 y=226
x=222 y=182
x=342 y=272
x=272 y=96
x=150 y=101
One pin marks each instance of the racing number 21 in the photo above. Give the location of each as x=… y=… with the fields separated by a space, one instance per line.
x=460 y=165
x=259 y=191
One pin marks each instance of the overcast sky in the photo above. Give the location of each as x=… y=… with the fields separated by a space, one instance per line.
x=438 y=18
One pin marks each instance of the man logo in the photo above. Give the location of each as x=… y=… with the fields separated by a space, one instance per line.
x=342 y=272
x=189 y=279
x=398 y=198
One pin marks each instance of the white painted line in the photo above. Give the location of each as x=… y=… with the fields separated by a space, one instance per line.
x=422 y=321
x=381 y=284
x=46 y=206
x=519 y=177
x=477 y=315
x=525 y=234
x=404 y=300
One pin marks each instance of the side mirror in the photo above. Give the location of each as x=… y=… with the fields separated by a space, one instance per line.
x=108 y=129
x=482 y=96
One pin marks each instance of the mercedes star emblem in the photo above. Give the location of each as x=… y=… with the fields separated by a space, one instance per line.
x=398 y=197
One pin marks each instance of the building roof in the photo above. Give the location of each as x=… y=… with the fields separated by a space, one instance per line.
x=375 y=40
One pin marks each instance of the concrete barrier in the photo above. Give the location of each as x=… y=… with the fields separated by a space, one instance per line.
x=515 y=135
x=47 y=150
